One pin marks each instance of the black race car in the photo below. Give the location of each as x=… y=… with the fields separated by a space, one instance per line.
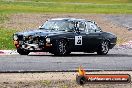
x=61 y=36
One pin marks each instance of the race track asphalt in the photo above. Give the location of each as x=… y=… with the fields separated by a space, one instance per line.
x=116 y=59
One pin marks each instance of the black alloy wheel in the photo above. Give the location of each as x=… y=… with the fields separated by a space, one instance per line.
x=62 y=48
x=103 y=48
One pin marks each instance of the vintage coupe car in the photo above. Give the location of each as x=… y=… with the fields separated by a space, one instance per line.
x=61 y=36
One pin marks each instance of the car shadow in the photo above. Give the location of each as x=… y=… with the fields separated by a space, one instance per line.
x=88 y=55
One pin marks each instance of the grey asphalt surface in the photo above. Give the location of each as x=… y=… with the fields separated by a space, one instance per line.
x=117 y=59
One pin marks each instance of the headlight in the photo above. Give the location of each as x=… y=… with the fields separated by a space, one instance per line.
x=47 y=40
x=15 y=37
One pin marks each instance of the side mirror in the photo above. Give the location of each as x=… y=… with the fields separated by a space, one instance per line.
x=39 y=26
x=100 y=29
x=95 y=30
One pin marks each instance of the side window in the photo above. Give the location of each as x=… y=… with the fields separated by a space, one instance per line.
x=92 y=28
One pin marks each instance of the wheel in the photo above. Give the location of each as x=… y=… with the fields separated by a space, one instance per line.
x=103 y=48
x=81 y=80
x=23 y=52
x=61 y=48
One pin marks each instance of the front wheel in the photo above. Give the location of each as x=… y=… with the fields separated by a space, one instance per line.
x=23 y=52
x=62 y=48
x=103 y=48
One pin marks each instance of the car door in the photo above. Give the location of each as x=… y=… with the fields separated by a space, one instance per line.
x=93 y=35
x=80 y=37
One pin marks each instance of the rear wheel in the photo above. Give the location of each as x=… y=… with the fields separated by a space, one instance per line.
x=23 y=52
x=103 y=48
x=62 y=48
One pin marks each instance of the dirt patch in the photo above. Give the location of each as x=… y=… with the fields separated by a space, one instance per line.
x=32 y=21
x=121 y=19
x=53 y=80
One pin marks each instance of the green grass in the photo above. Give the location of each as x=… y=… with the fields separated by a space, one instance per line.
x=82 y=1
x=3 y=18
x=6 y=41
x=40 y=7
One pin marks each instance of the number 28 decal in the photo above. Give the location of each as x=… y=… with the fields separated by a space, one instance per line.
x=78 y=40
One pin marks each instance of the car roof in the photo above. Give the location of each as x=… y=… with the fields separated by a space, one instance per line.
x=69 y=19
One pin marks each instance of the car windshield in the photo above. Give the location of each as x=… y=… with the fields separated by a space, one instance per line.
x=58 y=25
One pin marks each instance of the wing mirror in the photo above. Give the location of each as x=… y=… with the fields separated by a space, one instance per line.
x=100 y=29
x=39 y=27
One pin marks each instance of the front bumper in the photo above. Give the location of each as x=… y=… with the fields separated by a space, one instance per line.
x=36 y=47
x=33 y=47
x=32 y=43
x=112 y=45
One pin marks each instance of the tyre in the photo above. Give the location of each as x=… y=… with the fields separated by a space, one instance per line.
x=61 y=48
x=81 y=80
x=103 y=48
x=23 y=52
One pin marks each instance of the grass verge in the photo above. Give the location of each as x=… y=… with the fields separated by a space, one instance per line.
x=82 y=1
x=6 y=41
x=3 y=18
x=60 y=7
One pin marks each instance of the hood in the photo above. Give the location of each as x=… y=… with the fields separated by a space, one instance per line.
x=40 y=32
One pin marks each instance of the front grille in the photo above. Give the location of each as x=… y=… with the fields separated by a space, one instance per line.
x=33 y=40
x=20 y=37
